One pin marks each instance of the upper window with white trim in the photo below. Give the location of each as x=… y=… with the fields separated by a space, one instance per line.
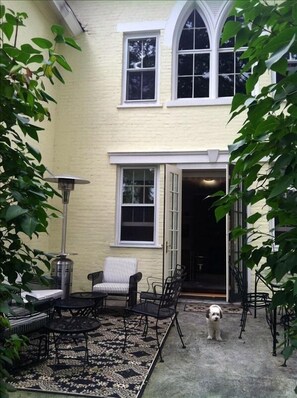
x=141 y=54
x=137 y=218
x=206 y=71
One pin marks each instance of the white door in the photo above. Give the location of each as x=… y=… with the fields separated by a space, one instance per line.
x=172 y=231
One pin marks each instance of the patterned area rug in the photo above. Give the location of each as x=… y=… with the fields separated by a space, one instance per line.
x=203 y=307
x=109 y=373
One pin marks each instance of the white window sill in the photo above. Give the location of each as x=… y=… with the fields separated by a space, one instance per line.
x=136 y=246
x=140 y=105
x=199 y=102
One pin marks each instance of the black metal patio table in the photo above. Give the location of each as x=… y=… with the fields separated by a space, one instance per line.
x=76 y=307
x=70 y=327
x=97 y=297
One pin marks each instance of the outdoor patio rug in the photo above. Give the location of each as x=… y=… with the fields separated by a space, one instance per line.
x=203 y=307
x=110 y=372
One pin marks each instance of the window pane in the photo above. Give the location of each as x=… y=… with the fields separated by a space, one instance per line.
x=149 y=195
x=135 y=53
x=127 y=194
x=201 y=87
x=240 y=83
x=201 y=39
x=201 y=64
x=226 y=63
x=240 y=63
x=141 y=85
x=148 y=88
x=134 y=85
x=190 y=21
x=128 y=176
x=138 y=195
x=137 y=224
x=226 y=86
x=149 y=53
x=138 y=176
x=185 y=64
x=198 y=20
x=184 y=89
x=149 y=177
x=186 y=40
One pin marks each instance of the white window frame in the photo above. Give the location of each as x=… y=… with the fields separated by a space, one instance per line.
x=146 y=102
x=214 y=29
x=154 y=242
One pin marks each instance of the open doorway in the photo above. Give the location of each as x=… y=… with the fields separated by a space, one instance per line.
x=203 y=239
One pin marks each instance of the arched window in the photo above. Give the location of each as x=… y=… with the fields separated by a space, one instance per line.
x=206 y=70
x=231 y=80
x=193 y=59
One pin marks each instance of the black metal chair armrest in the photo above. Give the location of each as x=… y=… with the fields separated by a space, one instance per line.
x=96 y=277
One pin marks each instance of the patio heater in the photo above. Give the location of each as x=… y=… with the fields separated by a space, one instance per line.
x=62 y=265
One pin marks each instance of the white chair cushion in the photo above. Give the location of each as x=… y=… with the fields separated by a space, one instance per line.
x=119 y=269
x=112 y=288
x=44 y=294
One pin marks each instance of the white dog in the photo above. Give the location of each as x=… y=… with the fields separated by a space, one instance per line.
x=213 y=320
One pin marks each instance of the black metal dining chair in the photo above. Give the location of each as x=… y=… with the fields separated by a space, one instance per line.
x=164 y=308
x=250 y=301
x=155 y=285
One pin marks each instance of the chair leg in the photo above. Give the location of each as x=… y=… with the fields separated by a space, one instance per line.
x=179 y=331
x=125 y=328
x=243 y=321
x=158 y=343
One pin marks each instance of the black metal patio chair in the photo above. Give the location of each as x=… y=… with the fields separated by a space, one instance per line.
x=155 y=285
x=250 y=301
x=164 y=308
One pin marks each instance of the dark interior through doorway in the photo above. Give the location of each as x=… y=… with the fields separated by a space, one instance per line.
x=203 y=239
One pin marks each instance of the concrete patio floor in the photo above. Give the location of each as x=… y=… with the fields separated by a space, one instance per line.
x=232 y=368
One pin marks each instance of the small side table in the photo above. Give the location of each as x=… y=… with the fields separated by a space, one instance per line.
x=77 y=307
x=97 y=297
x=70 y=327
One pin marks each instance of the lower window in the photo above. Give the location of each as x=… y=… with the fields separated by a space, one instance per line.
x=137 y=205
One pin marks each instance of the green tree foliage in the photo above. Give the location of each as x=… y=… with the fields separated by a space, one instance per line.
x=24 y=208
x=264 y=153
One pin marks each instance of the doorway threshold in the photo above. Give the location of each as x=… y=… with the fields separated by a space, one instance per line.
x=203 y=295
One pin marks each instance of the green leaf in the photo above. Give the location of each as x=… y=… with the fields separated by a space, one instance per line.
x=34 y=152
x=238 y=100
x=2 y=11
x=280 y=53
x=281 y=186
x=57 y=29
x=221 y=212
x=35 y=59
x=11 y=19
x=253 y=218
x=27 y=48
x=72 y=43
x=28 y=225
x=7 y=29
x=57 y=74
x=231 y=28
x=14 y=211
x=62 y=61
x=42 y=43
